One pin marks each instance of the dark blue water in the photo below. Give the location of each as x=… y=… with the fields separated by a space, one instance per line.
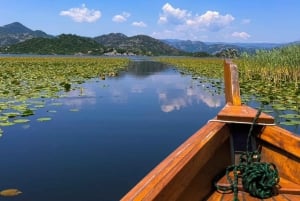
x=124 y=127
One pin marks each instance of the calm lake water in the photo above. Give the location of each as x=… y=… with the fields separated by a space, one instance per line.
x=124 y=127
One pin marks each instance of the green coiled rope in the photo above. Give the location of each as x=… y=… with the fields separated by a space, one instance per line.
x=259 y=179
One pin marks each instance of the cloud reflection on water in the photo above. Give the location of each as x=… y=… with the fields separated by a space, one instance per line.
x=80 y=97
x=182 y=96
x=173 y=90
x=188 y=97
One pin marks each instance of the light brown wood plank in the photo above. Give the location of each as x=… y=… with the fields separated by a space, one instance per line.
x=288 y=187
x=216 y=196
x=284 y=187
x=289 y=197
x=243 y=114
x=243 y=196
x=282 y=139
x=281 y=197
x=199 y=187
x=171 y=177
x=231 y=82
x=287 y=164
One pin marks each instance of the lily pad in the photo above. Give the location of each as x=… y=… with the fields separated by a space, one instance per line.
x=21 y=121
x=290 y=116
x=74 y=110
x=39 y=106
x=11 y=114
x=42 y=119
x=10 y=192
x=56 y=104
x=3 y=118
x=7 y=123
x=27 y=112
x=290 y=123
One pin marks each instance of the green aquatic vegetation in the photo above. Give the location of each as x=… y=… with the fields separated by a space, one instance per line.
x=43 y=119
x=6 y=123
x=290 y=123
x=290 y=116
x=199 y=68
x=25 y=82
x=19 y=121
x=56 y=104
x=27 y=112
x=273 y=74
x=269 y=77
x=11 y=114
x=3 y=118
x=203 y=70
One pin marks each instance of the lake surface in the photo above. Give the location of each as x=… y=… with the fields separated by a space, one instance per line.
x=123 y=127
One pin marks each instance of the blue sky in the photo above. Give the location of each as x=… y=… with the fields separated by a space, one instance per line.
x=203 y=20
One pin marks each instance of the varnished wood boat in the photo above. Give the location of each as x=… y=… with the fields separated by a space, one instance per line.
x=194 y=169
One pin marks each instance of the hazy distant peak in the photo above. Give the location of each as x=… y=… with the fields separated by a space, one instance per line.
x=16 y=28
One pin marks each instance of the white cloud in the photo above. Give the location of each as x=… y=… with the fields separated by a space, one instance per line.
x=139 y=24
x=242 y=35
x=82 y=14
x=121 y=17
x=185 y=24
x=211 y=20
x=172 y=15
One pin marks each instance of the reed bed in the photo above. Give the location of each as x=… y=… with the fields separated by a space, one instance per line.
x=276 y=66
x=268 y=77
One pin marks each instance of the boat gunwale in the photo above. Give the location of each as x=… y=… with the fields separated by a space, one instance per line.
x=158 y=179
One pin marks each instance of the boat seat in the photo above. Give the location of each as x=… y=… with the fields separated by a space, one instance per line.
x=287 y=191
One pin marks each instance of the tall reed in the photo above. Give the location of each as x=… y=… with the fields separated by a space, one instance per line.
x=277 y=67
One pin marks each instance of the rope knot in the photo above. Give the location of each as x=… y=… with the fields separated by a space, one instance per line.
x=260 y=179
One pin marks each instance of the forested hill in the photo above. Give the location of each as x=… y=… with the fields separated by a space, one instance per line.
x=139 y=44
x=112 y=44
x=65 y=44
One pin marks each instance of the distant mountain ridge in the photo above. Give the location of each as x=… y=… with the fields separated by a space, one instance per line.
x=17 y=38
x=214 y=47
x=139 y=44
x=16 y=32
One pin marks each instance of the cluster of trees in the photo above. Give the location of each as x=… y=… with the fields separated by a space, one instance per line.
x=228 y=53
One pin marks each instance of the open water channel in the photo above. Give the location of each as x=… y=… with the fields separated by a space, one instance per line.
x=123 y=127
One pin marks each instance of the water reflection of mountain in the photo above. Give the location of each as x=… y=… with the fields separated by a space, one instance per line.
x=145 y=68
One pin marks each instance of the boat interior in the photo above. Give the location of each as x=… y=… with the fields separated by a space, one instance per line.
x=199 y=168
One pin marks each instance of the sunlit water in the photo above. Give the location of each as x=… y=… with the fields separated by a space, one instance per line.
x=124 y=127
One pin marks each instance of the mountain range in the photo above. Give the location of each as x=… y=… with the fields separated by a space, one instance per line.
x=17 y=38
x=16 y=32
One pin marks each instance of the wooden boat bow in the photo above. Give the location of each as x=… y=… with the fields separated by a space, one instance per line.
x=189 y=172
